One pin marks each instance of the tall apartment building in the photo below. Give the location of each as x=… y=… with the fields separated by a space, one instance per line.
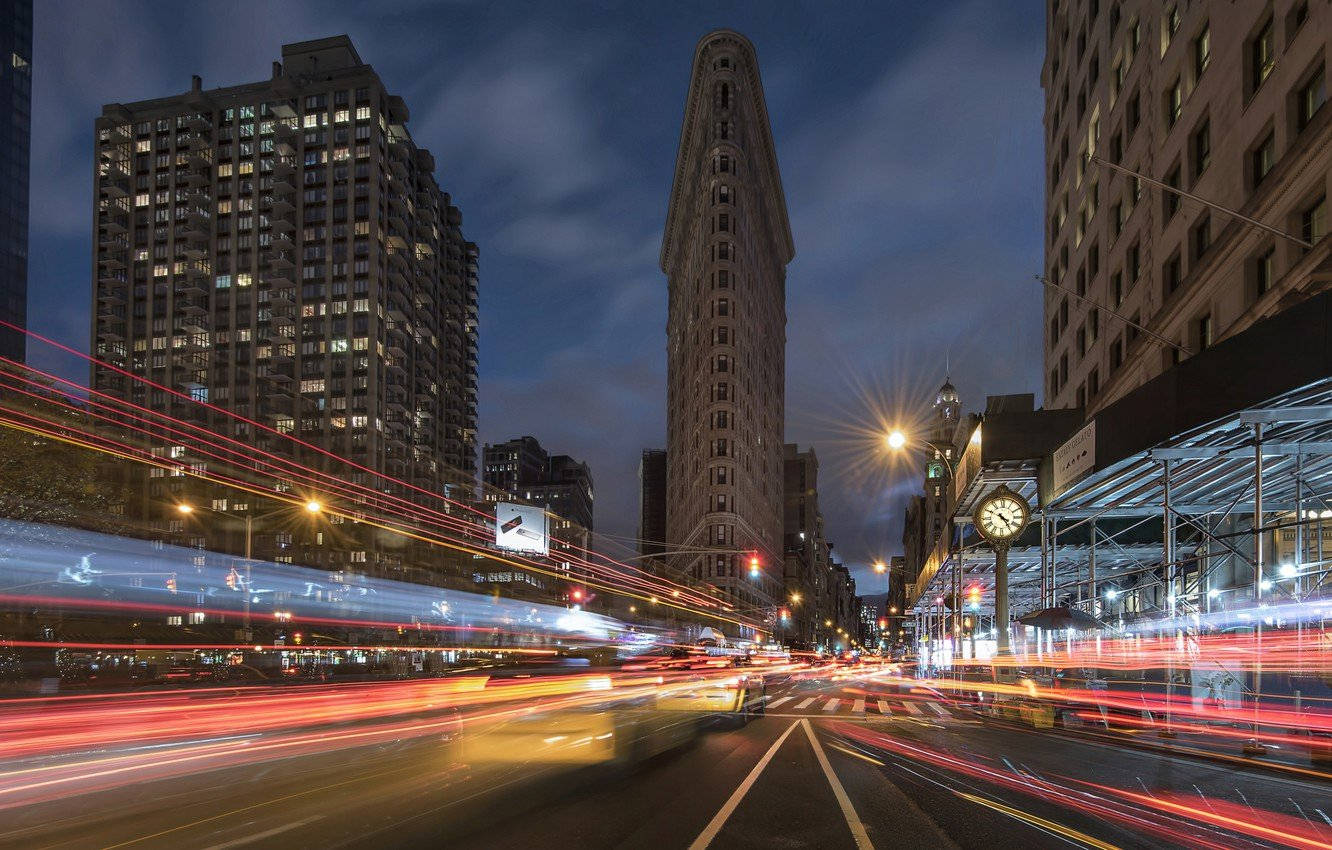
x=15 y=139
x=725 y=248
x=282 y=250
x=1222 y=100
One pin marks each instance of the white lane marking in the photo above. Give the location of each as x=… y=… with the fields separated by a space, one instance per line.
x=858 y=706
x=260 y=836
x=884 y=710
x=848 y=811
x=804 y=703
x=779 y=701
x=719 y=820
x=832 y=704
x=912 y=708
x=937 y=710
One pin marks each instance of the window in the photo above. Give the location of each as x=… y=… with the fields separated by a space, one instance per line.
x=1205 y=332
x=1202 y=236
x=1311 y=98
x=1174 y=103
x=1296 y=19
x=1264 y=272
x=1093 y=383
x=1172 y=274
x=1080 y=397
x=1263 y=158
x=1172 y=23
x=1132 y=262
x=1202 y=52
x=1133 y=114
x=1202 y=148
x=1117 y=353
x=1262 y=55
x=1116 y=289
x=1169 y=199
x=1313 y=220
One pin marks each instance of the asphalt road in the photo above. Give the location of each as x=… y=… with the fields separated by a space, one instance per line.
x=832 y=764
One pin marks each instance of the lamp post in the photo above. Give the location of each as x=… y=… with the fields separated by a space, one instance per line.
x=311 y=506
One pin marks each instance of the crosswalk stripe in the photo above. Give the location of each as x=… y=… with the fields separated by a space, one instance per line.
x=938 y=710
x=884 y=710
x=779 y=701
x=912 y=708
x=858 y=706
x=832 y=704
x=804 y=703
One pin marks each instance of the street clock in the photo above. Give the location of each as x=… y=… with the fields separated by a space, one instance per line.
x=1001 y=516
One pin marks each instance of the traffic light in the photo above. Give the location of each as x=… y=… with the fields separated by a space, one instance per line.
x=753 y=566
x=576 y=595
x=786 y=615
x=171 y=583
x=974 y=597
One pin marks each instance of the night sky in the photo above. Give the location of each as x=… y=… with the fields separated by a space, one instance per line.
x=908 y=136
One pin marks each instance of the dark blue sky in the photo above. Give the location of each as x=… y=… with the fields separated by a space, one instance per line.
x=908 y=135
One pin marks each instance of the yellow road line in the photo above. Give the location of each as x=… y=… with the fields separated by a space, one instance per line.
x=1035 y=820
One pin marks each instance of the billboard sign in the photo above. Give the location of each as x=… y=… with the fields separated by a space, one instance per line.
x=521 y=528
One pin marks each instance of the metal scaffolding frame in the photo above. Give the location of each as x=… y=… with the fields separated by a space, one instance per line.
x=1188 y=508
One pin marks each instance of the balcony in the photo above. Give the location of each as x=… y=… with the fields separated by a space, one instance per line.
x=280 y=260
x=281 y=205
x=201 y=125
x=112 y=296
x=200 y=157
x=114 y=225
x=115 y=187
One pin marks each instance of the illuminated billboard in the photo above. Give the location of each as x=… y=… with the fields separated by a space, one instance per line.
x=521 y=528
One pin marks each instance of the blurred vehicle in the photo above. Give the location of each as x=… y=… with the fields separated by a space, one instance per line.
x=624 y=733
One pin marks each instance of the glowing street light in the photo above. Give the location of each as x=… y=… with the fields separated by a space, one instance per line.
x=896 y=440
x=880 y=567
x=185 y=508
x=313 y=507
x=795 y=598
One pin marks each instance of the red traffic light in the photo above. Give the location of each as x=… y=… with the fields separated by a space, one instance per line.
x=576 y=595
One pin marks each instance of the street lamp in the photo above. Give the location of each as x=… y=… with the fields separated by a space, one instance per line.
x=895 y=439
x=311 y=506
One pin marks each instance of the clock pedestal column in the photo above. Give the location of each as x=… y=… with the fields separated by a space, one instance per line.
x=1001 y=620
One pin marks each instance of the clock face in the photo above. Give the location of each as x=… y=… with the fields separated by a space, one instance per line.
x=1002 y=517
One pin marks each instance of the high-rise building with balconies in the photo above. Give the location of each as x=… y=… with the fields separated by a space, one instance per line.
x=282 y=250
x=1226 y=101
x=725 y=248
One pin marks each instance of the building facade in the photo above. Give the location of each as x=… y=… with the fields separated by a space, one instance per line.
x=282 y=250
x=652 y=504
x=725 y=248
x=15 y=140
x=807 y=558
x=1221 y=100
x=510 y=465
x=520 y=468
